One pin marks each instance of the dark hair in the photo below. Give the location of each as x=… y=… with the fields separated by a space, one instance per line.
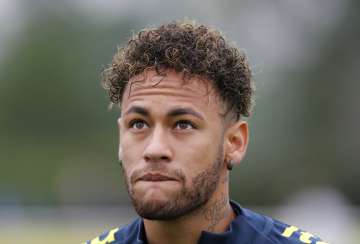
x=189 y=48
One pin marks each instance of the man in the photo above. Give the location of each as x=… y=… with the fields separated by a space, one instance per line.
x=183 y=92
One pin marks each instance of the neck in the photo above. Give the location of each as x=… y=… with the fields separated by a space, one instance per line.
x=215 y=216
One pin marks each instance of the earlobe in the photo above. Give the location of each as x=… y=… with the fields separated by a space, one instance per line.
x=120 y=154
x=236 y=142
x=119 y=122
x=229 y=164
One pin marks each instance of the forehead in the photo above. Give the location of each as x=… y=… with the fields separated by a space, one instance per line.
x=171 y=89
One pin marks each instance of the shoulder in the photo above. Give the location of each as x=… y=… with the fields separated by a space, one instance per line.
x=294 y=234
x=120 y=235
x=271 y=231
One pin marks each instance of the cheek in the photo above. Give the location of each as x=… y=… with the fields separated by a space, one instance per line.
x=199 y=154
x=130 y=152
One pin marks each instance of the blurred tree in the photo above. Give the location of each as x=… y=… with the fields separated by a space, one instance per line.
x=305 y=132
x=52 y=107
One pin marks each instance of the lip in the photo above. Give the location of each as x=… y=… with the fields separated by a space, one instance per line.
x=155 y=177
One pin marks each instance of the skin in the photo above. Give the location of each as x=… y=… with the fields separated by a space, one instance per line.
x=178 y=129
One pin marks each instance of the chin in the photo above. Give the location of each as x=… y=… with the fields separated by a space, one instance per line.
x=156 y=199
x=153 y=208
x=165 y=208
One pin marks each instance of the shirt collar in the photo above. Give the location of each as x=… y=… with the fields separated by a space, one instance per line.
x=229 y=236
x=141 y=236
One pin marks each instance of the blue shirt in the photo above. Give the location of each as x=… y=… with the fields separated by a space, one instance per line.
x=247 y=228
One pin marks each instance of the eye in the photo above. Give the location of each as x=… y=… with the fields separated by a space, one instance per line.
x=184 y=125
x=138 y=124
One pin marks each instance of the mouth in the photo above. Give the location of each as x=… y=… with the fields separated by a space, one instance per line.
x=155 y=177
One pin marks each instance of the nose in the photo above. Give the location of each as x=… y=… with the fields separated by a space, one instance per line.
x=158 y=147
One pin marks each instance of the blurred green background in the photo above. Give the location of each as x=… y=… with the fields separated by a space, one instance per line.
x=58 y=140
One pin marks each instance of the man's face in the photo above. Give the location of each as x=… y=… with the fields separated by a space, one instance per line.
x=171 y=144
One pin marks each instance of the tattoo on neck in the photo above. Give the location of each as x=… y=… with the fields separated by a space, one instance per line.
x=225 y=179
x=216 y=212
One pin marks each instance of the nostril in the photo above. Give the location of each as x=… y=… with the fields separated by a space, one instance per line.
x=156 y=158
x=164 y=158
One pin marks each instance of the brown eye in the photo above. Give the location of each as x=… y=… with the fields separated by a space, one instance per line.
x=184 y=125
x=138 y=124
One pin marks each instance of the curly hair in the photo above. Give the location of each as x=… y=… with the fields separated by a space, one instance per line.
x=189 y=48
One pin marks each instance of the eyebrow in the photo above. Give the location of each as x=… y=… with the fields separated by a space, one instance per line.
x=138 y=110
x=184 y=111
x=172 y=113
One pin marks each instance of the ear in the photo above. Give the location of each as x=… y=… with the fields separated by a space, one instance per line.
x=120 y=148
x=236 y=141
